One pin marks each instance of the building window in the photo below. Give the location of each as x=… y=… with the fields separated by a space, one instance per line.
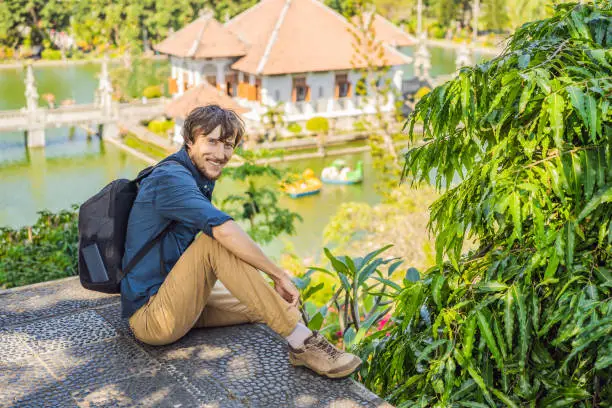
x=300 y=90
x=277 y=95
x=321 y=92
x=343 y=86
x=301 y=93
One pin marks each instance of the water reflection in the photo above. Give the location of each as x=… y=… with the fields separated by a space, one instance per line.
x=68 y=170
x=74 y=167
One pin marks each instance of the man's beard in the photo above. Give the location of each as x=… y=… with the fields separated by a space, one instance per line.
x=203 y=172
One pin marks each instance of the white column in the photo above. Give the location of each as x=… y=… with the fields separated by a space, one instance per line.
x=174 y=69
x=397 y=79
x=240 y=76
x=265 y=100
x=36 y=137
x=198 y=73
x=180 y=79
x=178 y=137
x=105 y=88
x=221 y=75
x=252 y=79
x=31 y=93
x=190 y=74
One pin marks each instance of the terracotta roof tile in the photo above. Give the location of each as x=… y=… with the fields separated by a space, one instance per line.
x=255 y=27
x=292 y=36
x=201 y=95
x=204 y=38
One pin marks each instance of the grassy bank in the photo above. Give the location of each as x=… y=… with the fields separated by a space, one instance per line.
x=152 y=150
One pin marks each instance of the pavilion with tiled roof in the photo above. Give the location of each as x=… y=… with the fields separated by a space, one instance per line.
x=300 y=53
x=203 y=94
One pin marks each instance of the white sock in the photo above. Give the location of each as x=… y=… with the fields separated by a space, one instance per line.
x=298 y=335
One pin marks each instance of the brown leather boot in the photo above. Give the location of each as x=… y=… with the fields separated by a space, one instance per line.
x=323 y=358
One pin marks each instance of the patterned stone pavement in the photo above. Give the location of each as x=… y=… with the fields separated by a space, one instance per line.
x=64 y=346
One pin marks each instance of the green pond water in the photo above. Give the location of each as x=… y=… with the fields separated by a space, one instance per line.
x=72 y=167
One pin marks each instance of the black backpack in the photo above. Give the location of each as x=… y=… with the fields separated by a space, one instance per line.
x=103 y=223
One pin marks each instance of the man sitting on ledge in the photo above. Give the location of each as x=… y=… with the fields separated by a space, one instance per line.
x=174 y=287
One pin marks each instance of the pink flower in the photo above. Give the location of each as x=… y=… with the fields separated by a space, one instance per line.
x=339 y=333
x=383 y=322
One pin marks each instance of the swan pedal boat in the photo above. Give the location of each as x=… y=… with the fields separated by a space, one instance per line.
x=340 y=173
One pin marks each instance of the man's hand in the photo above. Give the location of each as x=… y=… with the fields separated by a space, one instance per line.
x=285 y=287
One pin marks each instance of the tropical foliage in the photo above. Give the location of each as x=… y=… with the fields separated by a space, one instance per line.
x=45 y=251
x=258 y=204
x=524 y=319
x=361 y=295
x=96 y=24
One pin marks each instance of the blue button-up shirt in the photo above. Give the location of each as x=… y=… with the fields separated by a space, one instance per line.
x=172 y=191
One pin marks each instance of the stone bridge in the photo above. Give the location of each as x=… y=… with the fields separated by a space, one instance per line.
x=86 y=115
x=104 y=113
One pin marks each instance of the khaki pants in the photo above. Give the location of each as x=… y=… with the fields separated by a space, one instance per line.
x=189 y=298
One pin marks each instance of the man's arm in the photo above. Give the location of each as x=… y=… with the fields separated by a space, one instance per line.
x=231 y=236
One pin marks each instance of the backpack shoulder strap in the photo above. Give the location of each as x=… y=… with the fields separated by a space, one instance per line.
x=149 y=245
x=144 y=250
x=144 y=173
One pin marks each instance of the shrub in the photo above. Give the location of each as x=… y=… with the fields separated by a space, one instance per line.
x=258 y=204
x=360 y=295
x=359 y=126
x=151 y=92
x=294 y=128
x=317 y=124
x=49 y=54
x=437 y=31
x=6 y=52
x=46 y=251
x=161 y=127
x=525 y=318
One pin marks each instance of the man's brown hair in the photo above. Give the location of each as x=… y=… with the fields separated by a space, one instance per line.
x=204 y=119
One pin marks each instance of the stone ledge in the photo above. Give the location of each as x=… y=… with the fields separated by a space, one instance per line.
x=64 y=346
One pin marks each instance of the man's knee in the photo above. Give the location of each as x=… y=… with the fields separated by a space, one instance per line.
x=157 y=334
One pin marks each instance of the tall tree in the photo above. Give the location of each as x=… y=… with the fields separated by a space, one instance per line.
x=445 y=11
x=375 y=89
x=523 y=11
x=344 y=7
x=495 y=15
x=396 y=10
